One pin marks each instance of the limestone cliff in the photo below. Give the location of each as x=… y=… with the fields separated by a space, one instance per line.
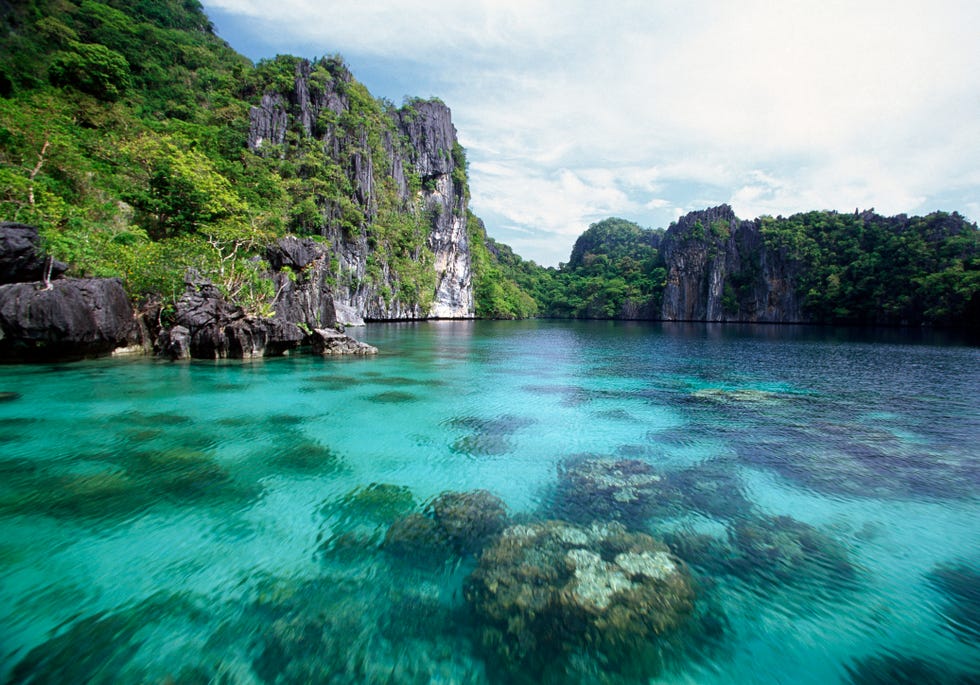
x=388 y=192
x=719 y=269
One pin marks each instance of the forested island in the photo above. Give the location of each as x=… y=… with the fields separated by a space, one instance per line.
x=274 y=199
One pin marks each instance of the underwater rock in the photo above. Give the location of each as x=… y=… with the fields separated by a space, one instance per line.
x=744 y=397
x=890 y=669
x=712 y=488
x=547 y=591
x=100 y=648
x=454 y=522
x=356 y=522
x=393 y=397
x=788 y=549
x=382 y=502
x=861 y=461
x=777 y=549
x=606 y=489
x=307 y=456
x=487 y=436
x=378 y=629
x=417 y=537
x=97 y=495
x=960 y=585
x=298 y=650
x=469 y=519
x=696 y=548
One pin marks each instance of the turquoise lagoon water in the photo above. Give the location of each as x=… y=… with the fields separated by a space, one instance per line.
x=225 y=522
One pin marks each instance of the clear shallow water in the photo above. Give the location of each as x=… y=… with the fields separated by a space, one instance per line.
x=226 y=521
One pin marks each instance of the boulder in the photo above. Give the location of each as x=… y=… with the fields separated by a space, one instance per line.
x=174 y=343
x=73 y=318
x=770 y=551
x=293 y=253
x=460 y=523
x=470 y=519
x=329 y=341
x=302 y=277
x=21 y=259
x=417 y=538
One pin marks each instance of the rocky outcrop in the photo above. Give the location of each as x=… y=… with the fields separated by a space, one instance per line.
x=21 y=259
x=329 y=341
x=73 y=318
x=719 y=269
x=694 y=251
x=267 y=122
x=377 y=161
x=208 y=326
x=304 y=285
x=45 y=317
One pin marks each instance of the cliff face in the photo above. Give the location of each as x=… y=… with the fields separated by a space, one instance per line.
x=389 y=192
x=434 y=153
x=719 y=269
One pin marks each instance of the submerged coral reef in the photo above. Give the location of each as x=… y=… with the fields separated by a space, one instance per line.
x=548 y=593
x=607 y=489
x=459 y=523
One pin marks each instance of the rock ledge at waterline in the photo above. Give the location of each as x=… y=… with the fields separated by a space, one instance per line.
x=46 y=317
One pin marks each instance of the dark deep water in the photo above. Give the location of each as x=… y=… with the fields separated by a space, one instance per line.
x=812 y=497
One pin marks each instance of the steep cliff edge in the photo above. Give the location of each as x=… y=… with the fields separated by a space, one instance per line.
x=387 y=190
x=719 y=269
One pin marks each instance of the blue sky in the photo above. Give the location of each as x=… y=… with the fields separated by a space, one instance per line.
x=572 y=111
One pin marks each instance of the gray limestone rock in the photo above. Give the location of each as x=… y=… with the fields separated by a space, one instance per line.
x=420 y=139
x=208 y=326
x=73 y=318
x=21 y=259
x=719 y=269
x=327 y=341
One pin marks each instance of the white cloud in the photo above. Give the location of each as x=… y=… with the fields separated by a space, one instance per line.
x=572 y=110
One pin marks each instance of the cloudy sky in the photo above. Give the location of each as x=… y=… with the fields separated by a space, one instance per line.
x=572 y=111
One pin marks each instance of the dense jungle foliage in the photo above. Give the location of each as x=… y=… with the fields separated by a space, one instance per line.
x=615 y=271
x=867 y=268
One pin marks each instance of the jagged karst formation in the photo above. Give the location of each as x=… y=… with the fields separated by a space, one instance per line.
x=405 y=167
x=705 y=252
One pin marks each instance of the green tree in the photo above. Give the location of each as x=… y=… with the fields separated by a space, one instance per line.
x=93 y=69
